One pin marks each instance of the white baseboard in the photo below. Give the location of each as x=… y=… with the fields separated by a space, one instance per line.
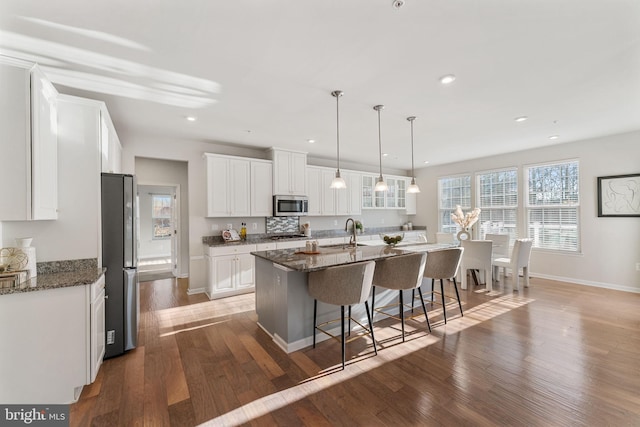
x=612 y=286
x=195 y=291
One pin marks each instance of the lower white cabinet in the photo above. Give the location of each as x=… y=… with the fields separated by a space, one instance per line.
x=52 y=343
x=230 y=271
x=98 y=340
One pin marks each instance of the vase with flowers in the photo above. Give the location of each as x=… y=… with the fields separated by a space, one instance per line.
x=465 y=221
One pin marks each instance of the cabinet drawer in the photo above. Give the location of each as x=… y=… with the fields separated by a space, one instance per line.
x=265 y=247
x=97 y=287
x=231 y=250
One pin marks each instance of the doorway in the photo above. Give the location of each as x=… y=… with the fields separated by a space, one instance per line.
x=159 y=213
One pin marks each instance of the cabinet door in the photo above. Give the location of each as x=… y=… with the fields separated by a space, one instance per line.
x=314 y=180
x=392 y=193
x=328 y=206
x=401 y=193
x=44 y=147
x=97 y=334
x=217 y=186
x=298 y=167
x=239 y=188
x=244 y=275
x=354 y=185
x=367 y=191
x=281 y=172
x=261 y=189
x=223 y=273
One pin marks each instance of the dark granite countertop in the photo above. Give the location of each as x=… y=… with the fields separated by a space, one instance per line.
x=254 y=239
x=64 y=279
x=332 y=256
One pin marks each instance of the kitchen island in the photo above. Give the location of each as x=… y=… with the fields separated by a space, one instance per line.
x=283 y=304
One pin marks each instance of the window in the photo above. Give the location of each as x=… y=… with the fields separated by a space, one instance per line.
x=552 y=206
x=498 y=199
x=453 y=191
x=161 y=216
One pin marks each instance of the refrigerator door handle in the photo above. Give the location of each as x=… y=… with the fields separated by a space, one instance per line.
x=131 y=308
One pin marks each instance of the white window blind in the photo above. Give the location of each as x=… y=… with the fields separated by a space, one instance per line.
x=553 y=204
x=498 y=199
x=453 y=191
x=161 y=216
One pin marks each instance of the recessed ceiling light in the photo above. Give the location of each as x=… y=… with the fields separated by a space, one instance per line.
x=426 y=161
x=311 y=141
x=521 y=118
x=448 y=79
x=191 y=118
x=554 y=137
x=385 y=154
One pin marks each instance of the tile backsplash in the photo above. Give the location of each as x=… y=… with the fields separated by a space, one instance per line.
x=283 y=224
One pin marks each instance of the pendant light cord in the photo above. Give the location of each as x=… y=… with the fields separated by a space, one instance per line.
x=413 y=174
x=379 y=142
x=338 y=127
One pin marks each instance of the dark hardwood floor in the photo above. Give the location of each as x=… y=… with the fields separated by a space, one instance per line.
x=554 y=354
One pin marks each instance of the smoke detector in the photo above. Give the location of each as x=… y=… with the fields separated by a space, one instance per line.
x=397 y=4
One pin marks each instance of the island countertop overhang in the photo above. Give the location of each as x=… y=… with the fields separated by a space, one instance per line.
x=297 y=260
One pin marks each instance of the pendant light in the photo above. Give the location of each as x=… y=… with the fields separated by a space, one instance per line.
x=380 y=184
x=338 y=181
x=413 y=187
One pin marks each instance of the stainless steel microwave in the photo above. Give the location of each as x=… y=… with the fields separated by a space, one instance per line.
x=290 y=205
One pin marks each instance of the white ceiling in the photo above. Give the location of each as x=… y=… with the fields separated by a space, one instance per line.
x=260 y=73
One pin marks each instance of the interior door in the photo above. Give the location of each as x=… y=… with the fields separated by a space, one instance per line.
x=175 y=223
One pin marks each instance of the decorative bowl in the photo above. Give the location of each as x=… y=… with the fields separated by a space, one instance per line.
x=392 y=239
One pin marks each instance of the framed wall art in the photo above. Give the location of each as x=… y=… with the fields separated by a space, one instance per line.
x=619 y=196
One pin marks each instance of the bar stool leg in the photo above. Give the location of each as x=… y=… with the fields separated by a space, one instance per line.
x=455 y=286
x=444 y=310
x=342 y=334
x=424 y=308
x=373 y=302
x=401 y=308
x=315 y=312
x=349 y=330
x=366 y=306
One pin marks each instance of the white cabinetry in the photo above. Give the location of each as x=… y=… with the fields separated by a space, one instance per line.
x=97 y=328
x=54 y=345
x=395 y=197
x=289 y=172
x=230 y=270
x=110 y=148
x=228 y=186
x=261 y=188
x=329 y=201
x=28 y=131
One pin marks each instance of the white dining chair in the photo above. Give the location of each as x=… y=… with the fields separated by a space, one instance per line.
x=500 y=248
x=476 y=256
x=519 y=259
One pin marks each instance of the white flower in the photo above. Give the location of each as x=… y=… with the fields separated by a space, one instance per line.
x=465 y=221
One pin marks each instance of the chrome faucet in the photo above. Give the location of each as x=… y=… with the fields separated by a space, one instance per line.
x=352 y=240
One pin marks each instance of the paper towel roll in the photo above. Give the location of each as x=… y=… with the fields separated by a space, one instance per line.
x=31 y=264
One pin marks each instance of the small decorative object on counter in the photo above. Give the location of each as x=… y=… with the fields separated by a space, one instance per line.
x=392 y=240
x=243 y=231
x=306 y=229
x=359 y=227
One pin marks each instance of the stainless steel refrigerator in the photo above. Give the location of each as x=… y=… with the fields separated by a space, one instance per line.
x=119 y=256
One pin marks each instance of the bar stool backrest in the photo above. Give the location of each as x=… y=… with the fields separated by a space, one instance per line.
x=342 y=285
x=443 y=263
x=400 y=272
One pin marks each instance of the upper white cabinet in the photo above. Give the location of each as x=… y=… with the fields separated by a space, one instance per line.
x=238 y=186
x=228 y=186
x=395 y=197
x=261 y=188
x=110 y=148
x=289 y=172
x=328 y=201
x=29 y=135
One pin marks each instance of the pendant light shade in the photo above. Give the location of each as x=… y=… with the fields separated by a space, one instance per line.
x=380 y=184
x=413 y=187
x=338 y=181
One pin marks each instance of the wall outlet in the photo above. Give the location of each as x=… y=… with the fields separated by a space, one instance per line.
x=229 y=226
x=214 y=227
x=637 y=266
x=335 y=222
x=254 y=225
x=382 y=221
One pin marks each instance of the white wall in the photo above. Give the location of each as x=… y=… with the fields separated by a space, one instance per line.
x=150 y=247
x=610 y=246
x=75 y=234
